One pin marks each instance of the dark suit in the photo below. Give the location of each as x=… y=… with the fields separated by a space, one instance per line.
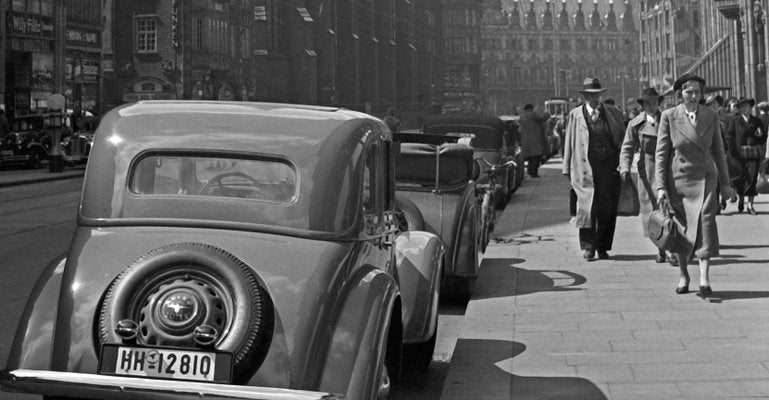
x=745 y=133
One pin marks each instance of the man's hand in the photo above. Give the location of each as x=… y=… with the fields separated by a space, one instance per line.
x=728 y=192
x=625 y=176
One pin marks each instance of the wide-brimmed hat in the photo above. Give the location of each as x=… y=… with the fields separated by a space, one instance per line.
x=591 y=85
x=742 y=101
x=763 y=106
x=714 y=98
x=679 y=83
x=649 y=94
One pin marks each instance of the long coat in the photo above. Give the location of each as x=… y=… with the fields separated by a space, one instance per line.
x=689 y=163
x=641 y=136
x=532 y=130
x=575 y=161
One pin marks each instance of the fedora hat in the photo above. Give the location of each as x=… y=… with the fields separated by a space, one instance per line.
x=649 y=94
x=763 y=106
x=591 y=85
x=679 y=83
x=742 y=101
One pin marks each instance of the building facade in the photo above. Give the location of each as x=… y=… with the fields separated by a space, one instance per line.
x=536 y=50
x=50 y=47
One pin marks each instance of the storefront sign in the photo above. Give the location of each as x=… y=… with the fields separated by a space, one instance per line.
x=83 y=36
x=30 y=25
x=461 y=95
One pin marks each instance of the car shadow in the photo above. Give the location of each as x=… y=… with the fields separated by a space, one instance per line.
x=743 y=246
x=732 y=261
x=501 y=278
x=634 y=257
x=487 y=369
x=727 y=295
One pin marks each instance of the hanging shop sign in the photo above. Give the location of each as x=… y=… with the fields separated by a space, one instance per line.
x=82 y=36
x=175 y=24
x=29 y=25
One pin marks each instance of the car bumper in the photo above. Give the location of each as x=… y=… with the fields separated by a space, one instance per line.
x=69 y=384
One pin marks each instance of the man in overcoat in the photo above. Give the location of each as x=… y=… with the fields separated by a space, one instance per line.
x=594 y=134
x=690 y=161
x=533 y=139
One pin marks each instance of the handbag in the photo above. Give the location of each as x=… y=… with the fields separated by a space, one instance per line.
x=628 y=205
x=665 y=230
x=750 y=152
x=762 y=182
x=734 y=167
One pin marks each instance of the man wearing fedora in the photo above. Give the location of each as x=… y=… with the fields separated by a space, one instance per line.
x=533 y=139
x=641 y=136
x=594 y=134
x=745 y=138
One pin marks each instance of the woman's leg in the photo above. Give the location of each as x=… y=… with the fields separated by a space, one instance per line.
x=683 y=261
x=705 y=271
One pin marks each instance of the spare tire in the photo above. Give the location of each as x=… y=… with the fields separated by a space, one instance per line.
x=174 y=289
x=407 y=215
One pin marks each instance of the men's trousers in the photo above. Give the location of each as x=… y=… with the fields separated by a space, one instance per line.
x=603 y=212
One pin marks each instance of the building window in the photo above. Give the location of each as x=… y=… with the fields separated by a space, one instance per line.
x=146 y=35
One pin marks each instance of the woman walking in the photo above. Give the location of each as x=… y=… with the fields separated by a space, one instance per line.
x=641 y=136
x=744 y=140
x=690 y=161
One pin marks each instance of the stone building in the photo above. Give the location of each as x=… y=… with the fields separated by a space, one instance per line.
x=535 y=50
x=50 y=47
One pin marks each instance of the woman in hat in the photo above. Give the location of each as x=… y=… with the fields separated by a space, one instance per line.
x=641 y=135
x=745 y=138
x=690 y=161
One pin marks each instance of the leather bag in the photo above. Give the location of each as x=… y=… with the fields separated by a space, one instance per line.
x=665 y=229
x=762 y=182
x=628 y=205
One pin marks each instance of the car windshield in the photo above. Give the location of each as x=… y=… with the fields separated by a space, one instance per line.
x=187 y=175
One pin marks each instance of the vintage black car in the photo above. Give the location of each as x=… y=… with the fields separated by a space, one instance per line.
x=35 y=138
x=233 y=250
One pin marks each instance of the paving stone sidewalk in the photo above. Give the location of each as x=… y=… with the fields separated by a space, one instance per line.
x=545 y=324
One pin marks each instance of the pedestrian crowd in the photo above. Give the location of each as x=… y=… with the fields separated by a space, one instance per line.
x=691 y=159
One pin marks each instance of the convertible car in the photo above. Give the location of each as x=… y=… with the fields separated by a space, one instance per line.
x=435 y=184
x=233 y=250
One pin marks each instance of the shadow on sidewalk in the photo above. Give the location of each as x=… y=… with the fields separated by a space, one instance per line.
x=743 y=246
x=500 y=278
x=741 y=294
x=492 y=375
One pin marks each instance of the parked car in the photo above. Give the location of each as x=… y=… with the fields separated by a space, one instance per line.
x=33 y=136
x=488 y=141
x=435 y=191
x=233 y=250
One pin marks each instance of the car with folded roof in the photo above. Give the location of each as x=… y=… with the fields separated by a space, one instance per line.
x=233 y=250
x=436 y=191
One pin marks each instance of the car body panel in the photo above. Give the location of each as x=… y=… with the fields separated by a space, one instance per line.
x=419 y=257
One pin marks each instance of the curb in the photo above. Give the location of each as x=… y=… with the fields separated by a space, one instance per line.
x=29 y=181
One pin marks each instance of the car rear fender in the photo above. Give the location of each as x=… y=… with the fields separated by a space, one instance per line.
x=33 y=344
x=356 y=353
x=465 y=254
x=419 y=261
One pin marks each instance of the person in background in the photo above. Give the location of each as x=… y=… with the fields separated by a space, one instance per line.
x=5 y=127
x=393 y=122
x=594 y=133
x=763 y=115
x=690 y=162
x=744 y=140
x=533 y=139
x=716 y=102
x=641 y=136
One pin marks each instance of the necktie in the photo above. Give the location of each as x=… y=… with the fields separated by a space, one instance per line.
x=594 y=115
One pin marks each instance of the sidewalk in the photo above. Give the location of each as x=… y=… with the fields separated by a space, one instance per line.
x=545 y=324
x=20 y=176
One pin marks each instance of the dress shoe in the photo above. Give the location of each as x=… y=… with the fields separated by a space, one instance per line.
x=706 y=291
x=589 y=255
x=683 y=289
x=660 y=258
x=602 y=255
x=751 y=210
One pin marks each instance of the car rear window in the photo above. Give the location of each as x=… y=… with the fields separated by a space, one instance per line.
x=263 y=179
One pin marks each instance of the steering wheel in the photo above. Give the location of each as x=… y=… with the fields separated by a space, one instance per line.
x=217 y=181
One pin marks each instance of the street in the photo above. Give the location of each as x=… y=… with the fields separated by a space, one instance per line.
x=542 y=323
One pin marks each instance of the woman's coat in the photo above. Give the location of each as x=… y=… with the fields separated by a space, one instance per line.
x=689 y=163
x=575 y=163
x=641 y=135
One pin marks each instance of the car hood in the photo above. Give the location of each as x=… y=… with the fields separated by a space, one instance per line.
x=303 y=278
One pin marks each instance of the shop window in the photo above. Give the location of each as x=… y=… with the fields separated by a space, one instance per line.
x=146 y=35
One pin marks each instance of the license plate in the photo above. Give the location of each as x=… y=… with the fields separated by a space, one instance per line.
x=166 y=363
